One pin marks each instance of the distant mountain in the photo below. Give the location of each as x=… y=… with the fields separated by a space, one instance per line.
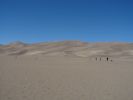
x=64 y=48
x=17 y=43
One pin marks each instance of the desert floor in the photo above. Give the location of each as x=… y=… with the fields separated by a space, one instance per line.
x=41 y=77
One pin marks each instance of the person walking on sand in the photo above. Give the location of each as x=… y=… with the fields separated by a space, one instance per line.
x=107 y=59
x=100 y=59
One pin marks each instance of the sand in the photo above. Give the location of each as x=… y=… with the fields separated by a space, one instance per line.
x=39 y=77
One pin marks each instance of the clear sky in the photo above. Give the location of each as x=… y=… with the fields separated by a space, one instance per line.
x=56 y=20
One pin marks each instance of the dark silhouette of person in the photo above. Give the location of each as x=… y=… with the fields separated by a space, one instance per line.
x=107 y=59
x=100 y=59
x=96 y=58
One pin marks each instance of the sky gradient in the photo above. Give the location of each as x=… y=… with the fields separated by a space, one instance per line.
x=57 y=20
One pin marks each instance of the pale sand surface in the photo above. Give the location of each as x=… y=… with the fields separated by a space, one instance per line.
x=41 y=77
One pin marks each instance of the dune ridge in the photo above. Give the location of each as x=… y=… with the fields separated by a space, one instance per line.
x=76 y=48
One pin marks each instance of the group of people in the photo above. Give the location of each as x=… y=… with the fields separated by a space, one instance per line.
x=106 y=58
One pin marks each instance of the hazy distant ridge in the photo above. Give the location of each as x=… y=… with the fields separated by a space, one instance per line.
x=75 y=48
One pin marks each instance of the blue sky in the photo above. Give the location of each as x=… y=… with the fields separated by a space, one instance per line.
x=57 y=20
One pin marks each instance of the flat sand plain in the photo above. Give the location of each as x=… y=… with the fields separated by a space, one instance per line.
x=41 y=77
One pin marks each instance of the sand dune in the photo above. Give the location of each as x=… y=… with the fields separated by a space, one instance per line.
x=76 y=48
x=66 y=70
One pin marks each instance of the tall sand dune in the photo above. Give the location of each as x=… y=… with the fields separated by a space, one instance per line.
x=67 y=70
